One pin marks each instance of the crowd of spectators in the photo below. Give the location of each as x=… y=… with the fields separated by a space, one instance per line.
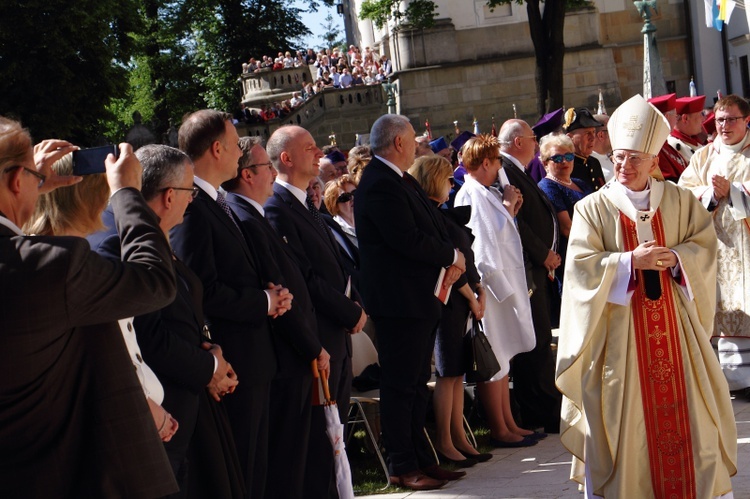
x=330 y=68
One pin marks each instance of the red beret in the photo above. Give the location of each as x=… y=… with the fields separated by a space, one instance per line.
x=663 y=103
x=687 y=105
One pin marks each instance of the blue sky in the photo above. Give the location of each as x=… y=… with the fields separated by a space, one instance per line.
x=314 y=21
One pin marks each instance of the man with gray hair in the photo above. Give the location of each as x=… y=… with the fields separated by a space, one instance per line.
x=534 y=371
x=172 y=339
x=404 y=248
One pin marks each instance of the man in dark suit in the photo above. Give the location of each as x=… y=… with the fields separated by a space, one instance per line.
x=56 y=387
x=533 y=372
x=403 y=246
x=170 y=339
x=295 y=156
x=296 y=339
x=237 y=302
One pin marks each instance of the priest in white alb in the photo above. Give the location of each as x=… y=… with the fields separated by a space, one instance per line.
x=646 y=409
x=719 y=175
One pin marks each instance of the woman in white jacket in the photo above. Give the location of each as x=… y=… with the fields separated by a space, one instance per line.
x=499 y=258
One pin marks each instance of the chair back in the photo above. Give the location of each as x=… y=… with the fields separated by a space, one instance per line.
x=363 y=353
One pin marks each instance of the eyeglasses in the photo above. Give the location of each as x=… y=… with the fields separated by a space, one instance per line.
x=635 y=160
x=559 y=158
x=729 y=121
x=193 y=190
x=345 y=197
x=528 y=137
x=38 y=175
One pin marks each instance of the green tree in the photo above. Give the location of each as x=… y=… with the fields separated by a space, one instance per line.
x=418 y=13
x=61 y=62
x=332 y=34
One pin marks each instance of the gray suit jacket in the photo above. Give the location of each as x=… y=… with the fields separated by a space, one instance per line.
x=73 y=418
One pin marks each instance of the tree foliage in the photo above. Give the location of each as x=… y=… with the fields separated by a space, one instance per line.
x=417 y=14
x=331 y=34
x=62 y=61
x=78 y=69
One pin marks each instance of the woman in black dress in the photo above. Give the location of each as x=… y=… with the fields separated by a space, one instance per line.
x=435 y=175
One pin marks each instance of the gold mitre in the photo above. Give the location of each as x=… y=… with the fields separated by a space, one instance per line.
x=638 y=126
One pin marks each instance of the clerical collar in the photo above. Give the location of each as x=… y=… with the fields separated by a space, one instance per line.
x=296 y=191
x=207 y=188
x=732 y=149
x=513 y=160
x=7 y=223
x=641 y=199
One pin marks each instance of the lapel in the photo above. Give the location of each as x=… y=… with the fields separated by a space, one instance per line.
x=485 y=193
x=215 y=210
x=303 y=212
x=414 y=192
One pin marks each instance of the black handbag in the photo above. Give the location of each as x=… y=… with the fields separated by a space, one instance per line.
x=481 y=362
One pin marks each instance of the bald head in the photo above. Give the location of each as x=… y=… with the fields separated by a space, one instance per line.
x=518 y=140
x=293 y=152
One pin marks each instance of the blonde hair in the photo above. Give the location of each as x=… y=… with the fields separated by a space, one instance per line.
x=554 y=140
x=334 y=189
x=431 y=172
x=359 y=157
x=71 y=209
x=477 y=149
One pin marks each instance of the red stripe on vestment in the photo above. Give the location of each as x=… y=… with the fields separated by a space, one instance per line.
x=661 y=374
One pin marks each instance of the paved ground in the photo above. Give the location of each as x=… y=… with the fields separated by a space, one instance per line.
x=542 y=471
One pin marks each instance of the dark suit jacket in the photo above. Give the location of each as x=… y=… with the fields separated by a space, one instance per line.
x=170 y=340
x=589 y=170
x=73 y=418
x=537 y=218
x=402 y=245
x=318 y=258
x=296 y=338
x=234 y=301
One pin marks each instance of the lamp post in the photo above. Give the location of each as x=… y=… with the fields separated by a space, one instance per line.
x=653 y=76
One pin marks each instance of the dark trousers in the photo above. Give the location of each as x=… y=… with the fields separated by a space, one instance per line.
x=534 y=372
x=247 y=409
x=405 y=352
x=289 y=427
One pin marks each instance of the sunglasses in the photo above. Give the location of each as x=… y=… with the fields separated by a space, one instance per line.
x=345 y=197
x=559 y=158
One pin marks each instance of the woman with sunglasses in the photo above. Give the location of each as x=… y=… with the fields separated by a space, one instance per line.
x=557 y=154
x=339 y=201
x=435 y=175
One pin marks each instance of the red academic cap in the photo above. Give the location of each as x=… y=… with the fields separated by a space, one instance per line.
x=663 y=103
x=687 y=105
x=709 y=125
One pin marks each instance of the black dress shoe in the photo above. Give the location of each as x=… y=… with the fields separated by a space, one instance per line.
x=439 y=473
x=526 y=442
x=461 y=463
x=416 y=480
x=481 y=457
x=537 y=435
